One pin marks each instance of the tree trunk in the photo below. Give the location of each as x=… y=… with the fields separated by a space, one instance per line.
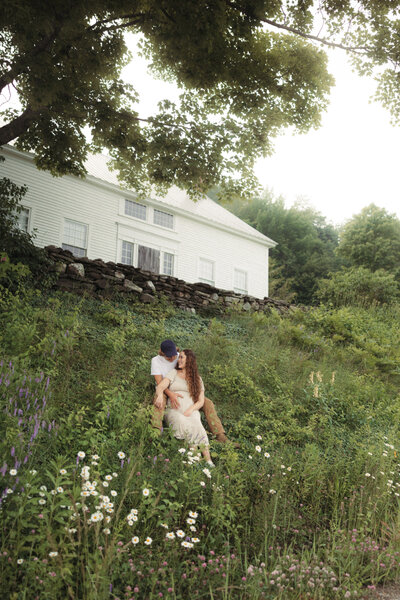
x=15 y=128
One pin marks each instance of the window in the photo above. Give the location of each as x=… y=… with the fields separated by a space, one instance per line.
x=240 y=281
x=206 y=271
x=75 y=237
x=168 y=264
x=164 y=219
x=23 y=219
x=149 y=259
x=127 y=253
x=134 y=209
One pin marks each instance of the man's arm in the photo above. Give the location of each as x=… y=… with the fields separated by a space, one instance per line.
x=173 y=397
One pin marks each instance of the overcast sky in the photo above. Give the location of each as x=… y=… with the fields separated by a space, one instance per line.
x=350 y=162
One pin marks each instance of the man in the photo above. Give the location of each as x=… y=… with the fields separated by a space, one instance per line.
x=161 y=364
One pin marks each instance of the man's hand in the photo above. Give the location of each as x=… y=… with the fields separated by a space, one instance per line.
x=173 y=399
x=159 y=402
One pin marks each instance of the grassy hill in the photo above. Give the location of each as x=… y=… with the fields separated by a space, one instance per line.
x=94 y=502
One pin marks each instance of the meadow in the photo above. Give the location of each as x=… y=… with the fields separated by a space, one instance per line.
x=95 y=504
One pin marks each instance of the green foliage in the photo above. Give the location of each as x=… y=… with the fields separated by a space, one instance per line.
x=311 y=494
x=16 y=243
x=371 y=239
x=306 y=244
x=358 y=286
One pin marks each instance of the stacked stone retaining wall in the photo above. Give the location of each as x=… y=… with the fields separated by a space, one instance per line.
x=107 y=279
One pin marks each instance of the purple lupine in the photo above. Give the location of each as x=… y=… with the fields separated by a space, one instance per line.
x=12 y=451
x=3 y=469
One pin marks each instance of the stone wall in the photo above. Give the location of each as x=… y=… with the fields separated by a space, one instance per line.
x=106 y=280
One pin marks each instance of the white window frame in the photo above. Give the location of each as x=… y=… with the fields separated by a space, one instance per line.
x=169 y=217
x=132 y=244
x=72 y=246
x=163 y=254
x=134 y=202
x=202 y=261
x=18 y=215
x=237 y=288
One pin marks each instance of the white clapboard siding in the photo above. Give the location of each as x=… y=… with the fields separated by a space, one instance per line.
x=202 y=229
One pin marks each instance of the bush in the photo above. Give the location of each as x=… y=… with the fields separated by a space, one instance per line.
x=358 y=286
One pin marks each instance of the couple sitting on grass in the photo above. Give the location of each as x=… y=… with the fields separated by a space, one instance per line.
x=180 y=396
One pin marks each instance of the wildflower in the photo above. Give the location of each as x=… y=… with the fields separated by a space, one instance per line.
x=207 y=473
x=63 y=471
x=95 y=457
x=97 y=516
x=107 y=531
x=170 y=535
x=108 y=477
x=250 y=456
x=193 y=514
x=192 y=528
x=148 y=541
x=115 y=474
x=113 y=493
x=202 y=483
x=272 y=491
x=42 y=501
x=105 y=483
x=266 y=454
x=180 y=533
x=85 y=493
x=258 y=448
x=283 y=467
x=81 y=454
x=33 y=472
x=367 y=474
x=146 y=492
x=259 y=437
x=121 y=455
x=187 y=544
x=164 y=525
x=20 y=561
x=53 y=554
x=195 y=540
x=182 y=450
x=60 y=489
x=190 y=521
x=13 y=472
x=135 y=540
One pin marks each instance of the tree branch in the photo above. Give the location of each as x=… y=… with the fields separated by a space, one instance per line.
x=308 y=36
x=20 y=124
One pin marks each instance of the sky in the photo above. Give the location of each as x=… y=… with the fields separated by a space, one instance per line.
x=350 y=162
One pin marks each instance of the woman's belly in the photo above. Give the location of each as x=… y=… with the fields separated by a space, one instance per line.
x=184 y=403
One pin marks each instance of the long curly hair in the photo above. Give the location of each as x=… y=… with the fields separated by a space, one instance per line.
x=192 y=375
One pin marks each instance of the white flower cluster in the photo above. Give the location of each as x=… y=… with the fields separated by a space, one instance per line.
x=132 y=517
x=179 y=533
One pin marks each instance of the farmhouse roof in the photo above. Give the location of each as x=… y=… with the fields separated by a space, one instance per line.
x=204 y=208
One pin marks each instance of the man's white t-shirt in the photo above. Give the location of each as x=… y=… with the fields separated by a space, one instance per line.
x=161 y=366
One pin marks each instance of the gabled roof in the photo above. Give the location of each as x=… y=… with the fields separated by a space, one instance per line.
x=203 y=209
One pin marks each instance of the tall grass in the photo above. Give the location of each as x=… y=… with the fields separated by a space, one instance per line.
x=95 y=504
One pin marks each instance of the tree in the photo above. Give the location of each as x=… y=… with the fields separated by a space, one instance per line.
x=246 y=68
x=371 y=239
x=306 y=244
x=358 y=286
x=17 y=244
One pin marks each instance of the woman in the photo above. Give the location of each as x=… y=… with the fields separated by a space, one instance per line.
x=185 y=420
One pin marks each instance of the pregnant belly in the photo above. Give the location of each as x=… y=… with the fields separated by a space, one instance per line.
x=185 y=402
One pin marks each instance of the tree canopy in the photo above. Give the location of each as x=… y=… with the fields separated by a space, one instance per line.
x=371 y=239
x=245 y=68
x=306 y=244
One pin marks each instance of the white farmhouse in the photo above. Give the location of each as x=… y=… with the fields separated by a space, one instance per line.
x=172 y=235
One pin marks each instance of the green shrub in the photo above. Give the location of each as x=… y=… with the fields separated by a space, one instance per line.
x=358 y=286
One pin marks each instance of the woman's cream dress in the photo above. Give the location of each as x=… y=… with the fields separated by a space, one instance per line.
x=185 y=428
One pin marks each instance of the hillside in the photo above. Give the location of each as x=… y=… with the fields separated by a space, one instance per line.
x=307 y=507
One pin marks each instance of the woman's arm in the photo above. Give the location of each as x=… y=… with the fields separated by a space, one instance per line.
x=159 y=400
x=196 y=406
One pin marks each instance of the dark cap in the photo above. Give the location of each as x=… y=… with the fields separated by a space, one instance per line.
x=168 y=348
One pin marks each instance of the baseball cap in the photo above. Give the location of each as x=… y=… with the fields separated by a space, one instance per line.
x=168 y=348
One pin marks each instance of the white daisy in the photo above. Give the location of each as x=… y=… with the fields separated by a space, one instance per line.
x=121 y=455
x=170 y=535
x=180 y=533
x=135 y=540
x=81 y=454
x=52 y=554
x=13 y=472
x=146 y=492
x=148 y=541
